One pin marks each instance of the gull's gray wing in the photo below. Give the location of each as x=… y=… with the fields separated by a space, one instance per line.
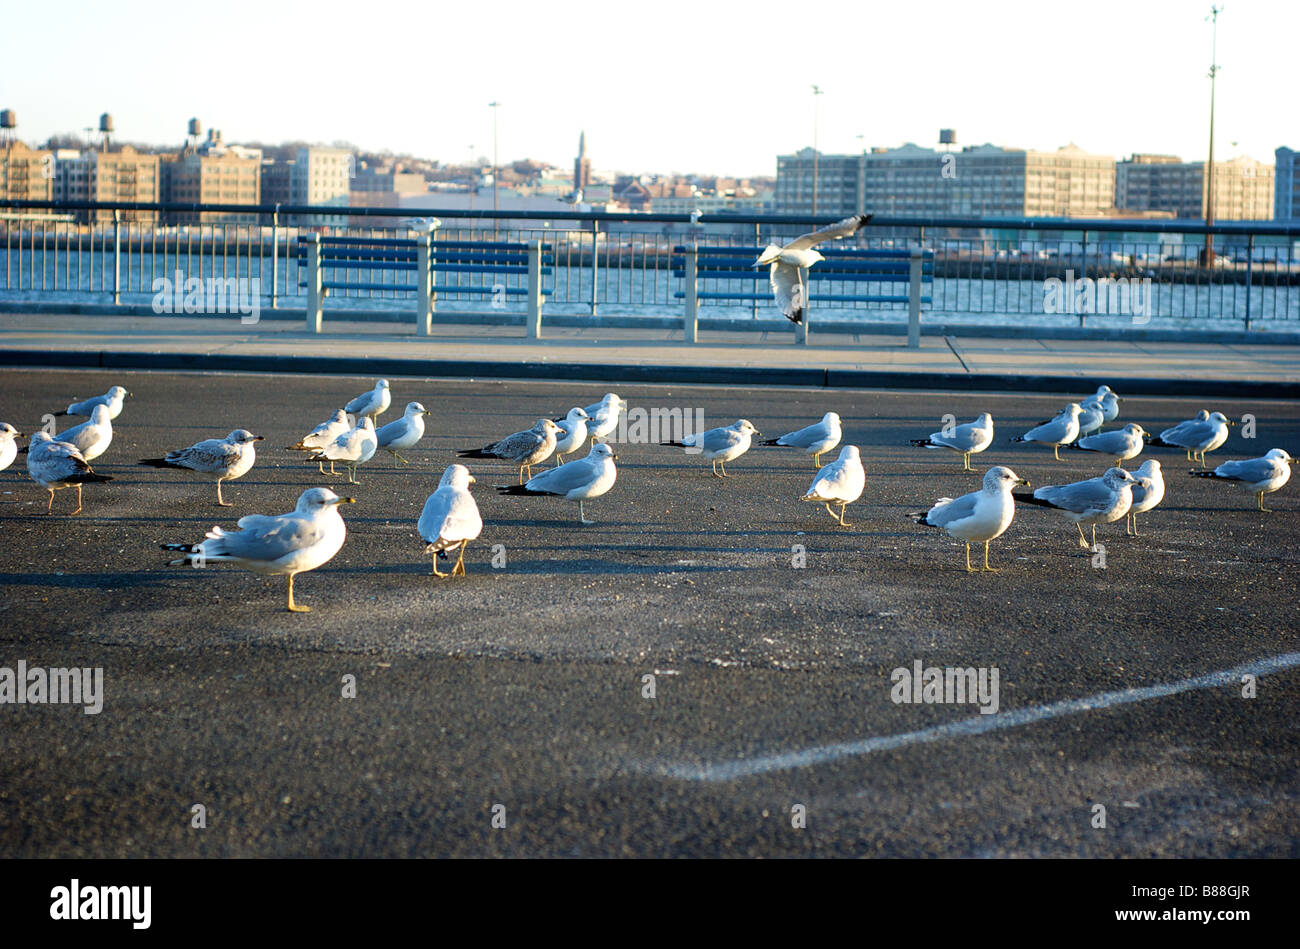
x=1111 y=443
x=810 y=435
x=1083 y=497
x=787 y=289
x=393 y=430
x=963 y=437
x=1053 y=431
x=716 y=439
x=518 y=445
x=265 y=538
x=941 y=515
x=210 y=456
x=845 y=228
x=562 y=480
x=1251 y=470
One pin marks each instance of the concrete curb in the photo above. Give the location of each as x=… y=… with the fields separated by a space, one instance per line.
x=682 y=375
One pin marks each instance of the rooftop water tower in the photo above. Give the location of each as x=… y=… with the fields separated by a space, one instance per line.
x=948 y=138
x=192 y=132
x=105 y=130
x=8 y=123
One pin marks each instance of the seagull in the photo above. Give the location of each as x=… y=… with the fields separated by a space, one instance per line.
x=373 y=403
x=1261 y=475
x=1095 y=501
x=1109 y=402
x=841 y=481
x=450 y=517
x=1121 y=443
x=1195 y=436
x=405 y=432
x=354 y=447
x=969 y=439
x=604 y=415
x=789 y=263
x=1059 y=431
x=1091 y=418
x=54 y=465
x=815 y=440
x=90 y=438
x=1147 y=493
x=322 y=435
x=980 y=516
x=273 y=545
x=720 y=445
x=573 y=432
x=524 y=449
x=228 y=458
x=578 y=480
x=8 y=444
x=1180 y=430
x=112 y=399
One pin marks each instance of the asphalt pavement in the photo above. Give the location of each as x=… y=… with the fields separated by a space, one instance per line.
x=518 y=696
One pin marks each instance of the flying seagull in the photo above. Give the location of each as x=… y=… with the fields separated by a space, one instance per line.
x=789 y=262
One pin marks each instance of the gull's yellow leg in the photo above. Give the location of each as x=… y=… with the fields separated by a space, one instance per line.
x=49 y=508
x=1056 y=452
x=78 y=510
x=293 y=607
x=222 y=502
x=986 y=559
x=1266 y=510
x=436 y=571
x=842 y=507
x=817 y=460
x=1083 y=541
x=969 y=568
x=460 y=561
x=723 y=466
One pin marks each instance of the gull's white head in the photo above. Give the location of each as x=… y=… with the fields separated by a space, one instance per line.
x=1103 y=391
x=1149 y=468
x=415 y=408
x=1002 y=478
x=831 y=418
x=1118 y=477
x=601 y=450
x=746 y=427
x=99 y=414
x=985 y=420
x=457 y=476
x=8 y=431
x=381 y=384
x=242 y=436
x=41 y=438
x=1133 y=428
x=1202 y=416
x=576 y=414
x=850 y=453
x=1279 y=454
x=1074 y=409
x=118 y=393
x=1219 y=417
x=315 y=500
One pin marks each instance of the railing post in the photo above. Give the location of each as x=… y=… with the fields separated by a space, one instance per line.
x=117 y=256
x=314 y=289
x=533 y=319
x=801 y=329
x=595 y=263
x=691 y=317
x=1083 y=275
x=758 y=240
x=275 y=256
x=914 y=298
x=1250 y=264
x=423 y=287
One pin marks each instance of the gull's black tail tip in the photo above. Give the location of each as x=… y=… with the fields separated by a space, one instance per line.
x=921 y=443
x=512 y=489
x=796 y=317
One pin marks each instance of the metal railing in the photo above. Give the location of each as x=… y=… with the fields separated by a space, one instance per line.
x=988 y=271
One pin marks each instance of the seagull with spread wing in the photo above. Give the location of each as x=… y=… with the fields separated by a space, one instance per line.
x=789 y=262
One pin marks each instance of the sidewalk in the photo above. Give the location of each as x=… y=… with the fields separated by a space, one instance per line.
x=643 y=355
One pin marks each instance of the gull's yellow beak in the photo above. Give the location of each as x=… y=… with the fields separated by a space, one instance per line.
x=473 y=480
x=1024 y=481
x=344 y=501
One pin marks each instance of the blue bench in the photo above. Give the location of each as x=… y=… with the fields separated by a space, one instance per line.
x=857 y=266
x=353 y=263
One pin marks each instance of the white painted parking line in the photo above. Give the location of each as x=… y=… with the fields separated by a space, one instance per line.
x=979 y=725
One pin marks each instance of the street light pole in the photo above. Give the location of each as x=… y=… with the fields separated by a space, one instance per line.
x=1209 y=165
x=495 y=169
x=817 y=91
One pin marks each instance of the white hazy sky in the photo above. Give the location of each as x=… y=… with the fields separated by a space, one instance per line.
x=701 y=86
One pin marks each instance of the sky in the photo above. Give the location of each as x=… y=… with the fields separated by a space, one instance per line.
x=666 y=86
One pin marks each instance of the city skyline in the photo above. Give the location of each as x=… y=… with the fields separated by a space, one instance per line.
x=1143 y=87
